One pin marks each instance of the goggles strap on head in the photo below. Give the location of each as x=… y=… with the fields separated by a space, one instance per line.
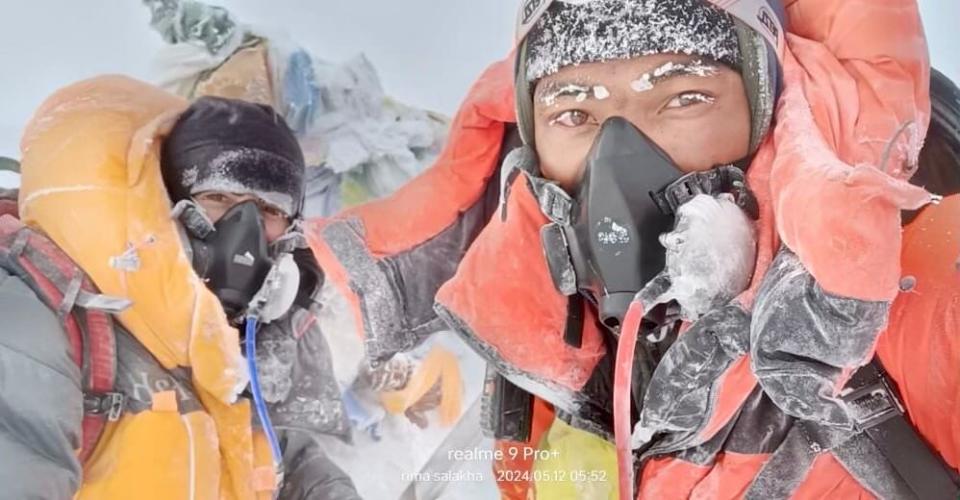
x=758 y=15
x=530 y=12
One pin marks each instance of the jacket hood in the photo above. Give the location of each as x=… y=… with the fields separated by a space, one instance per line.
x=91 y=182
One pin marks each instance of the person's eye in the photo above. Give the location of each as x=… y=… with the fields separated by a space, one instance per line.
x=687 y=99
x=215 y=197
x=571 y=118
x=273 y=212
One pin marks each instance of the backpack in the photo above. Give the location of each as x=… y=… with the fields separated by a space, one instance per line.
x=86 y=316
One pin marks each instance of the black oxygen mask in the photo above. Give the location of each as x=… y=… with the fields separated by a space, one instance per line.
x=616 y=220
x=234 y=258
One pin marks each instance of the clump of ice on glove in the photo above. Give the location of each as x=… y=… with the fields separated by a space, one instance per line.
x=711 y=254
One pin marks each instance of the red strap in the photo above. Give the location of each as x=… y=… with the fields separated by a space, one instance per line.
x=102 y=350
x=622 y=377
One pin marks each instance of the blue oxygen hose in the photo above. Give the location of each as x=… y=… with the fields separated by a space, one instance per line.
x=250 y=342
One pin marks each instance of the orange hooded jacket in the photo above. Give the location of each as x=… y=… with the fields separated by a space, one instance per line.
x=91 y=183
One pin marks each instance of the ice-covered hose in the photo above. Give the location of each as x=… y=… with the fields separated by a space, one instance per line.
x=251 y=350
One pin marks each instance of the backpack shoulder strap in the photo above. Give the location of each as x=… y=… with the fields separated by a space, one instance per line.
x=84 y=314
x=880 y=415
x=884 y=452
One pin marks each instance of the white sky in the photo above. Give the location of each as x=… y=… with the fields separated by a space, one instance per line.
x=427 y=52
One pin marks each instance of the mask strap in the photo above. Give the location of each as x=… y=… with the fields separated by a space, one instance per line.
x=193 y=218
x=292 y=239
x=725 y=179
x=554 y=202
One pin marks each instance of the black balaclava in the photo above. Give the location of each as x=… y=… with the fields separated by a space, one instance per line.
x=230 y=145
x=238 y=147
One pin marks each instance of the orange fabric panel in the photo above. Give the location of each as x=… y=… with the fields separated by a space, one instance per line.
x=828 y=479
x=870 y=74
x=731 y=475
x=165 y=401
x=768 y=241
x=921 y=347
x=843 y=221
x=432 y=201
x=263 y=479
x=738 y=382
x=504 y=292
x=515 y=461
x=239 y=454
x=728 y=478
x=855 y=72
x=667 y=477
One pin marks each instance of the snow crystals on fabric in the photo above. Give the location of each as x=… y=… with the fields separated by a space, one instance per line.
x=223 y=174
x=603 y=30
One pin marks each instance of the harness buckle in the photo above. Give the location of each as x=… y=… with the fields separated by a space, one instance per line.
x=110 y=404
x=872 y=404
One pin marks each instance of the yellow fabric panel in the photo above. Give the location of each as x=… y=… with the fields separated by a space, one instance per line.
x=440 y=366
x=91 y=181
x=264 y=479
x=156 y=455
x=235 y=434
x=573 y=464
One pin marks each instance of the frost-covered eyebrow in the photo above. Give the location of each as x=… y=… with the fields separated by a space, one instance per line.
x=672 y=69
x=551 y=91
x=581 y=89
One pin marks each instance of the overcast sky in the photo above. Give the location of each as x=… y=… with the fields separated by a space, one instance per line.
x=427 y=52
